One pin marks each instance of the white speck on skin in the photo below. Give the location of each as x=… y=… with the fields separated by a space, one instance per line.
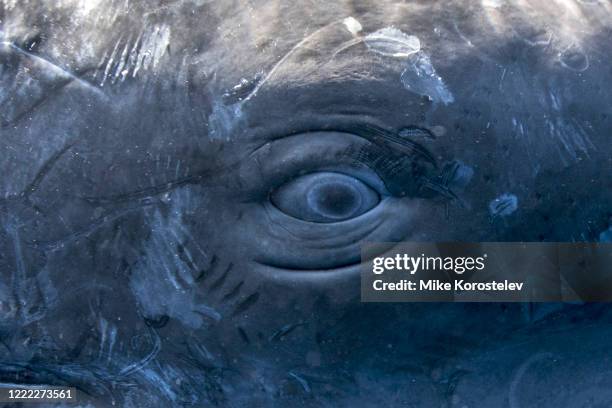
x=492 y=3
x=503 y=205
x=352 y=25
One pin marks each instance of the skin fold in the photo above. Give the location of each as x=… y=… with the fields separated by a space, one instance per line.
x=155 y=249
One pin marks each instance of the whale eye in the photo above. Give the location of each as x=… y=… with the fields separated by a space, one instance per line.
x=325 y=197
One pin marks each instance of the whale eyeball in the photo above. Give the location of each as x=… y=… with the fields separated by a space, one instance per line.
x=325 y=197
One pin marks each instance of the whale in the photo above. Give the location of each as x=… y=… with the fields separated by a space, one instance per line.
x=187 y=185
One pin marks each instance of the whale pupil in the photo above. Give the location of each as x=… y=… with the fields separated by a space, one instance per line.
x=334 y=199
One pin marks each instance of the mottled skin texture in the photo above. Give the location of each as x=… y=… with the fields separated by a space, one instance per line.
x=140 y=257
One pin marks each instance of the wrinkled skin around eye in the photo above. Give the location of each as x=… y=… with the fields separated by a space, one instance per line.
x=315 y=221
x=325 y=197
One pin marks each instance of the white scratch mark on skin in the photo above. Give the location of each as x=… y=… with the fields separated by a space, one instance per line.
x=122 y=60
x=155 y=255
x=133 y=59
x=301 y=381
x=160 y=45
x=202 y=350
x=421 y=77
x=101 y=64
x=462 y=36
x=109 y=64
x=160 y=383
x=391 y=42
x=184 y=272
x=345 y=46
x=555 y=130
x=18 y=277
x=182 y=75
x=574 y=59
x=573 y=137
x=177 y=168
x=103 y=325
x=139 y=58
x=132 y=368
x=513 y=396
x=108 y=337
x=208 y=312
x=145 y=53
x=51 y=64
x=163 y=282
x=111 y=343
x=191 y=239
x=284 y=58
x=501 y=80
x=555 y=102
x=544 y=42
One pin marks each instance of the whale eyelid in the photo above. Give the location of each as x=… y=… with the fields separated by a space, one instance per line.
x=388 y=139
x=394 y=141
